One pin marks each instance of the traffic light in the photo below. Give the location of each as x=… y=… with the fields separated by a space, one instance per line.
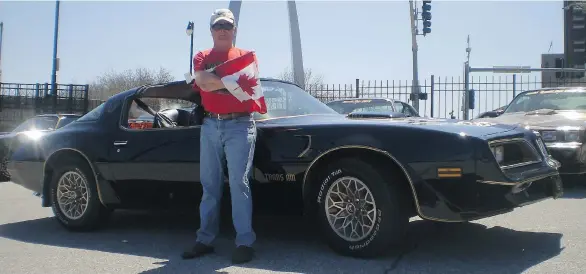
x=559 y=63
x=471 y=98
x=426 y=16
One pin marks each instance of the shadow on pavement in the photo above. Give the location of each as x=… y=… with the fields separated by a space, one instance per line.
x=286 y=244
x=574 y=192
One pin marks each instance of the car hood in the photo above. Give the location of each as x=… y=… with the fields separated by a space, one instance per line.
x=31 y=134
x=552 y=119
x=471 y=128
x=5 y=135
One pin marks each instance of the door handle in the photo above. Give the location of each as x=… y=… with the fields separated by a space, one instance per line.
x=120 y=143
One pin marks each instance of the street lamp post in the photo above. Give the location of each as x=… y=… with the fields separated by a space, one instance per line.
x=55 y=38
x=1 y=34
x=189 y=32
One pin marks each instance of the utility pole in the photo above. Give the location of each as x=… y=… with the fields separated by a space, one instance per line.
x=55 y=60
x=426 y=19
x=1 y=34
x=466 y=99
x=414 y=32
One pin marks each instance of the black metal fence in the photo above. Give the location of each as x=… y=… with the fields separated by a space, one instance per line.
x=19 y=102
x=444 y=94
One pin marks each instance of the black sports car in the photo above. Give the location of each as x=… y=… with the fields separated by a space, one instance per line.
x=559 y=115
x=30 y=127
x=359 y=179
x=374 y=106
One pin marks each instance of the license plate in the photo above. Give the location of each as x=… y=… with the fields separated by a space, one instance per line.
x=548 y=136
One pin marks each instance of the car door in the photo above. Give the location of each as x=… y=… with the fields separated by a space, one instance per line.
x=161 y=154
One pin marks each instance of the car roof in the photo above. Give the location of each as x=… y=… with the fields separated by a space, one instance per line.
x=582 y=88
x=362 y=98
x=174 y=89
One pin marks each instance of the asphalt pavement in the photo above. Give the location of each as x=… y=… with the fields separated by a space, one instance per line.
x=548 y=237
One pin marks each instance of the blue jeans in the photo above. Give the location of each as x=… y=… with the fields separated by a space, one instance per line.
x=232 y=140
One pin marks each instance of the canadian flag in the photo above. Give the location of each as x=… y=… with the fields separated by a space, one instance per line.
x=241 y=78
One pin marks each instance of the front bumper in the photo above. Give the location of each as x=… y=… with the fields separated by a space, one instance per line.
x=482 y=199
x=486 y=190
x=572 y=156
x=27 y=174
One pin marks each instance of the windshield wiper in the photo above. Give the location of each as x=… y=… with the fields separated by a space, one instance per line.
x=543 y=111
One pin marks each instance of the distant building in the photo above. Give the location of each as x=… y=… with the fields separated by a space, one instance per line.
x=574 y=34
x=574 y=55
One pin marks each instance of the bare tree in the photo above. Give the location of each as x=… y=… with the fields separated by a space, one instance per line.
x=313 y=81
x=113 y=82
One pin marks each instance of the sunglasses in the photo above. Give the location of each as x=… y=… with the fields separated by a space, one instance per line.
x=222 y=26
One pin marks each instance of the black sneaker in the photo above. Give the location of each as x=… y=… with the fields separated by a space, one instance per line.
x=242 y=254
x=197 y=250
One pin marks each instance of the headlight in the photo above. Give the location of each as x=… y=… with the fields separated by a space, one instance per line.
x=499 y=153
x=572 y=136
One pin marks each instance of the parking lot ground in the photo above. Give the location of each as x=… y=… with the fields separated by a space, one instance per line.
x=548 y=237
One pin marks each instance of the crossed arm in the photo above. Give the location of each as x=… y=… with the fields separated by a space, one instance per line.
x=206 y=81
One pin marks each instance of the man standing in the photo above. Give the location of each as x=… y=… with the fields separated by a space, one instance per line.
x=228 y=134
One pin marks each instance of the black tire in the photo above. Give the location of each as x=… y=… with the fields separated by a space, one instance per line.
x=95 y=214
x=392 y=209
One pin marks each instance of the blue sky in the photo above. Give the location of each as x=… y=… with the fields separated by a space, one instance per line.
x=342 y=40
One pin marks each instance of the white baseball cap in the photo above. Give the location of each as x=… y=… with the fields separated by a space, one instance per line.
x=222 y=15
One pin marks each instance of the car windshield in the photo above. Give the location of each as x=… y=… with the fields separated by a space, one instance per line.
x=284 y=99
x=556 y=99
x=37 y=123
x=362 y=105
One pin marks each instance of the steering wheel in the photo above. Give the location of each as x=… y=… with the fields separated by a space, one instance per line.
x=163 y=120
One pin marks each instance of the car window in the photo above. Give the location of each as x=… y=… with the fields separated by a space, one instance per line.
x=285 y=99
x=24 y=126
x=45 y=123
x=375 y=108
x=409 y=110
x=65 y=121
x=37 y=123
x=557 y=99
x=139 y=119
x=94 y=114
x=399 y=107
x=362 y=105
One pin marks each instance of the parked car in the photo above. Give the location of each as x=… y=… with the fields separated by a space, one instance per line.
x=31 y=127
x=559 y=116
x=359 y=180
x=379 y=106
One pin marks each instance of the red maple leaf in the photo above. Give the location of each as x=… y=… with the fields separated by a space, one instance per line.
x=247 y=84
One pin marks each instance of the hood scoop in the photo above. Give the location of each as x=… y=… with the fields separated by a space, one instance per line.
x=544 y=111
x=374 y=115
